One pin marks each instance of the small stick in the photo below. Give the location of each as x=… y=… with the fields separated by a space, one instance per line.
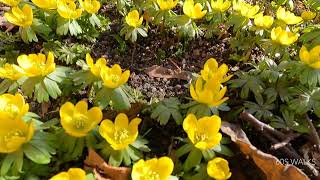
x=285 y=142
x=314 y=133
x=261 y=126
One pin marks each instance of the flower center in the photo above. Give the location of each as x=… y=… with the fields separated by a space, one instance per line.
x=151 y=175
x=80 y=122
x=121 y=135
x=200 y=136
x=9 y=109
x=115 y=78
x=13 y=134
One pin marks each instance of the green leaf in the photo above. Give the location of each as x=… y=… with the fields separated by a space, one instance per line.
x=134 y=153
x=5 y=84
x=142 y=32
x=184 y=149
x=193 y=159
x=29 y=85
x=7 y=163
x=126 y=157
x=36 y=154
x=141 y=144
x=120 y=100
x=62 y=26
x=94 y=20
x=116 y=158
x=208 y=154
x=52 y=88
x=222 y=149
x=12 y=162
x=74 y=28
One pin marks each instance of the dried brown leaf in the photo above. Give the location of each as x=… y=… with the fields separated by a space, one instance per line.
x=162 y=72
x=104 y=171
x=269 y=164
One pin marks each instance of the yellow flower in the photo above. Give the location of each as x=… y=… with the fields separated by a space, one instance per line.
x=12 y=106
x=114 y=77
x=11 y=2
x=96 y=68
x=121 y=133
x=77 y=120
x=312 y=57
x=218 y=168
x=91 y=6
x=283 y=37
x=10 y=71
x=167 y=4
x=263 y=22
x=245 y=9
x=20 y=17
x=287 y=16
x=220 y=5
x=194 y=11
x=46 y=4
x=308 y=15
x=68 y=9
x=159 y=169
x=211 y=70
x=72 y=174
x=14 y=133
x=133 y=19
x=203 y=133
x=36 y=64
x=208 y=93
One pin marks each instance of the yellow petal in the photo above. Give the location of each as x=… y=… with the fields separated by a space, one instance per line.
x=189 y=122
x=164 y=167
x=121 y=121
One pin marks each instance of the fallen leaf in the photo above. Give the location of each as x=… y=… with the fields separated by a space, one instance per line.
x=162 y=72
x=269 y=164
x=133 y=112
x=104 y=171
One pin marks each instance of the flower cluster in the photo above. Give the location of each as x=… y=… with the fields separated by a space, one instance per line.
x=14 y=131
x=31 y=65
x=208 y=88
x=112 y=77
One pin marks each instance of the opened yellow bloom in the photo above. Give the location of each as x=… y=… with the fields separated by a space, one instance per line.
x=11 y=2
x=167 y=4
x=114 y=77
x=46 y=4
x=263 y=22
x=245 y=9
x=96 y=68
x=209 y=93
x=203 y=133
x=312 y=57
x=220 y=5
x=211 y=70
x=36 y=64
x=283 y=37
x=77 y=120
x=193 y=11
x=9 y=71
x=308 y=15
x=14 y=133
x=133 y=19
x=71 y=174
x=12 y=106
x=20 y=17
x=68 y=9
x=121 y=133
x=91 y=6
x=157 y=169
x=287 y=16
x=218 y=168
